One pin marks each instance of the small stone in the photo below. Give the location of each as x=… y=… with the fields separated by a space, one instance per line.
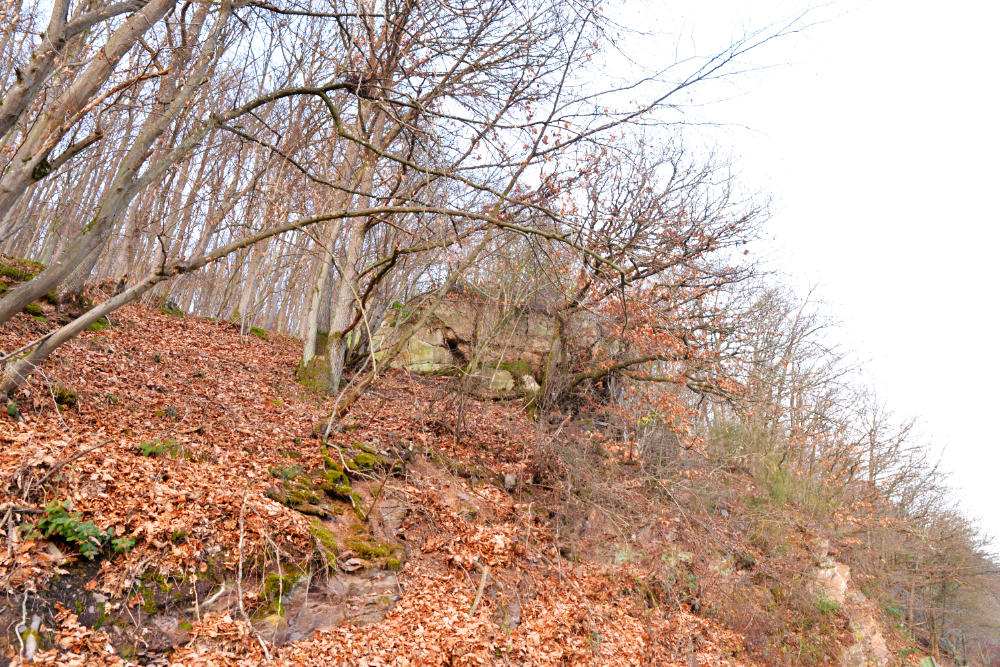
x=509 y=481
x=351 y=565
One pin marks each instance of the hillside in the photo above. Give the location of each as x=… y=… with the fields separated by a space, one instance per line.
x=190 y=460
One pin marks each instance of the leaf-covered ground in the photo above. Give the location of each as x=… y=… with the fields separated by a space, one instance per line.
x=216 y=415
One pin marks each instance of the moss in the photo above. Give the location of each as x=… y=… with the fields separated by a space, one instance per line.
x=157 y=578
x=99 y=325
x=259 y=333
x=287 y=472
x=33 y=309
x=517 y=369
x=274 y=587
x=326 y=540
x=172 y=310
x=39 y=318
x=184 y=625
x=302 y=495
x=65 y=397
x=365 y=461
x=391 y=564
x=12 y=271
x=365 y=448
x=148 y=603
x=333 y=479
x=369 y=550
x=315 y=375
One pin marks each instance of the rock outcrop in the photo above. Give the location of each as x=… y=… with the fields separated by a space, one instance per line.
x=509 y=348
x=833 y=580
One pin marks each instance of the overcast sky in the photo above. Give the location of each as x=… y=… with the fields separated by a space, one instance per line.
x=877 y=133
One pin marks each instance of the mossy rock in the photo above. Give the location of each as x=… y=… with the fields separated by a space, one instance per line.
x=517 y=369
x=299 y=497
x=259 y=333
x=64 y=396
x=33 y=309
x=365 y=461
x=332 y=479
x=172 y=309
x=326 y=541
x=378 y=554
x=311 y=492
x=274 y=587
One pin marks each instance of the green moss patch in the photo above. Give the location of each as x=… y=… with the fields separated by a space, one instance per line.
x=64 y=396
x=317 y=493
x=101 y=324
x=365 y=461
x=517 y=369
x=315 y=375
x=377 y=554
x=326 y=541
x=171 y=309
x=259 y=333
x=20 y=270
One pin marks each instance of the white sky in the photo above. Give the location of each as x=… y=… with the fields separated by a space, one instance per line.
x=877 y=133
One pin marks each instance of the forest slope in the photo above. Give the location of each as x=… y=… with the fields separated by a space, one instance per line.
x=181 y=443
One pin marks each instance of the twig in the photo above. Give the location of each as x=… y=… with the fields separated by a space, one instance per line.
x=27 y=346
x=482 y=584
x=381 y=486
x=58 y=466
x=239 y=583
x=215 y=596
x=23 y=625
x=197 y=606
x=52 y=395
x=8 y=521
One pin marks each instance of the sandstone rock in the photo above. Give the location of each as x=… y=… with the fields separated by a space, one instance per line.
x=462 y=329
x=501 y=380
x=509 y=481
x=833 y=579
x=819 y=548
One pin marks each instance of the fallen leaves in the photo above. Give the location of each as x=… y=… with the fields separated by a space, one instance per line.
x=234 y=414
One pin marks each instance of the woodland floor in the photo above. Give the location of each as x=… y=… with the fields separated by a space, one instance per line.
x=201 y=507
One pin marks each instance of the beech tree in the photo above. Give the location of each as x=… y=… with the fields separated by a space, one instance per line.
x=418 y=128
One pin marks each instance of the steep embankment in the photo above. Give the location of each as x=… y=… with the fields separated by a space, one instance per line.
x=180 y=455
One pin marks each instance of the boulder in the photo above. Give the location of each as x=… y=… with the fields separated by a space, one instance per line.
x=501 y=380
x=529 y=384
